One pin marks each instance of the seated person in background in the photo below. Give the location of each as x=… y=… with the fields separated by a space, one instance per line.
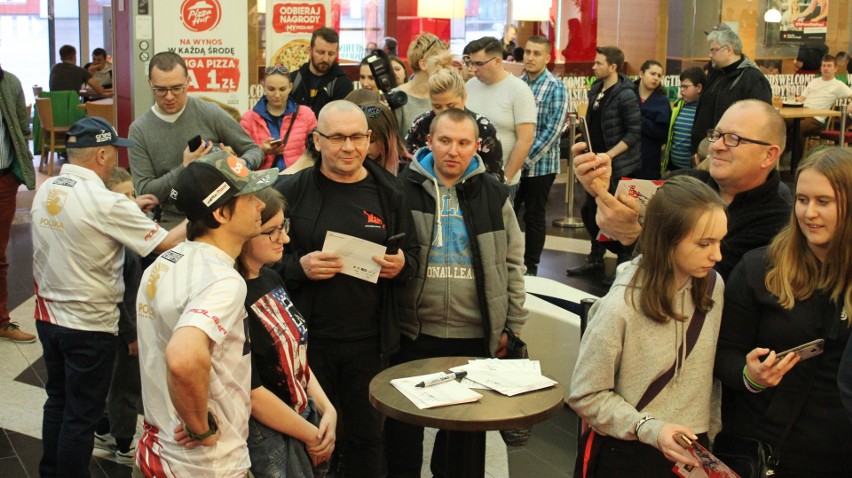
x=277 y=124
x=660 y=319
x=100 y=68
x=843 y=66
x=744 y=148
x=796 y=290
x=677 y=154
x=67 y=76
x=822 y=92
x=285 y=397
x=447 y=91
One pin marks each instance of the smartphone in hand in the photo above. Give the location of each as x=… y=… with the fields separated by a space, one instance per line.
x=194 y=143
x=804 y=351
x=585 y=136
x=394 y=242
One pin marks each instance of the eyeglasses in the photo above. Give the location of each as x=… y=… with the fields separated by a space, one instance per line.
x=275 y=234
x=732 y=140
x=714 y=50
x=685 y=87
x=161 y=91
x=340 y=139
x=280 y=69
x=479 y=64
x=371 y=111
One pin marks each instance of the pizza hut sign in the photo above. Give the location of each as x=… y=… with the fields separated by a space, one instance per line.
x=298 y=17
x=200 y=15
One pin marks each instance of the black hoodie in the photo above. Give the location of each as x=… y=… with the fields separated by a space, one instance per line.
x=334 y=85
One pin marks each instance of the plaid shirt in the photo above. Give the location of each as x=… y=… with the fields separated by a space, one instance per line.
x=551 y=99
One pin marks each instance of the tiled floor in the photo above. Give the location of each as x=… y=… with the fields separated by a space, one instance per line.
x=550 y=452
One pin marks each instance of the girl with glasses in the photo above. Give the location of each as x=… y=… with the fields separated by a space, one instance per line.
x=293 y=424
x=277 y=124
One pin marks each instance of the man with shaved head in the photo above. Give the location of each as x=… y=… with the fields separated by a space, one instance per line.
x=352 y=322
x=745 y=146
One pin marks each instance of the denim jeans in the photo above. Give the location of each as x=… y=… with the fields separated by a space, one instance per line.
x=79 y=365
x=276 y=455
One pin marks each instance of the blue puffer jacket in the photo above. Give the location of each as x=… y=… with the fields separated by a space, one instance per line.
x=621 y=121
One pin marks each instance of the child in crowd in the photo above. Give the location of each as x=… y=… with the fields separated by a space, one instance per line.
x=117 y=428
x=677 y=154
x=286 y=436
x=644 y=374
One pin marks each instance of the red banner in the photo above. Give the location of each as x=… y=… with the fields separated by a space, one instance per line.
x=213 y=74
x=298 y=17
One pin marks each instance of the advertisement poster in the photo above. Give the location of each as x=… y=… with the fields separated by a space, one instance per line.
x=289 y=24
x=803 y=21
x=215 y=51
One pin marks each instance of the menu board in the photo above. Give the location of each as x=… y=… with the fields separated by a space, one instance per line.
x=215 y=52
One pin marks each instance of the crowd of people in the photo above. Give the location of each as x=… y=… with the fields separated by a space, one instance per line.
x=730 y=267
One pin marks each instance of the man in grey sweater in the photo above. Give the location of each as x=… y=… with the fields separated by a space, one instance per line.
x=161 y=134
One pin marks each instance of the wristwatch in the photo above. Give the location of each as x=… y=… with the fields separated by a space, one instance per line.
x=211 y=422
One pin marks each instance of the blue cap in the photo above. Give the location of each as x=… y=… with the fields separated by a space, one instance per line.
x=93 y=131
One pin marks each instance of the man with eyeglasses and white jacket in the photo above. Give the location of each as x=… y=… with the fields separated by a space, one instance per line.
x=161 y=134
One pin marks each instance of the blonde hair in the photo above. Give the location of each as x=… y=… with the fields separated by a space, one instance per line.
x=447 y=80
x=795 y=272
x=119 y=175
x=424 y=46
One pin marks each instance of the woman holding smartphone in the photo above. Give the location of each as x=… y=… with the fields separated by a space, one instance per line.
x=276 y=123
x=644 y=374
x=795 y=290
x=287 y=437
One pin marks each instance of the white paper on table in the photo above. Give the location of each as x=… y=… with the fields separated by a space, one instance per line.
x=441 y=395
x=356 y=255
x=509 y=377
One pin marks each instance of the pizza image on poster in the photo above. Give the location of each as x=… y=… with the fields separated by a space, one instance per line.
x=293 y=54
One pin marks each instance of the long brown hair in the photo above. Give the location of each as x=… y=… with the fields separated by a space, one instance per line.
x=795 y=272
x=670 y=216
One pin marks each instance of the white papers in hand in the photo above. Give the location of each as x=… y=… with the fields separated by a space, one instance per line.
x=441 y=395
x=356 y=255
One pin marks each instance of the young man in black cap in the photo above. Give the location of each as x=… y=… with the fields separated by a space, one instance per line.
x=193 y=351
x=79 y=230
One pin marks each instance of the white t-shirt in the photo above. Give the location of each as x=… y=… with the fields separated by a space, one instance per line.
x=79 y=230
x=194 y=285
x=823 y=94
x=507 y=103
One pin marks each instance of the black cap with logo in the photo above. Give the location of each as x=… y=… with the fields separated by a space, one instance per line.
x=213 y=179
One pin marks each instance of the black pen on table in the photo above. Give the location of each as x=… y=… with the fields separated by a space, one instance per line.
x=442 y=379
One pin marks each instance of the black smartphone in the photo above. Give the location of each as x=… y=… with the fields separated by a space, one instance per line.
x=394 y=242
x=583 y=130
x=804 y=351
x=194 y=143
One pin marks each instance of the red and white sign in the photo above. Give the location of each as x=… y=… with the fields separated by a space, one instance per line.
x=214 y=53
x=200 y=15
x=298 y=17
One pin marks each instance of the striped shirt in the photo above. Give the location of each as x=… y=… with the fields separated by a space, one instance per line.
x=551 y=100
x=682 y=136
